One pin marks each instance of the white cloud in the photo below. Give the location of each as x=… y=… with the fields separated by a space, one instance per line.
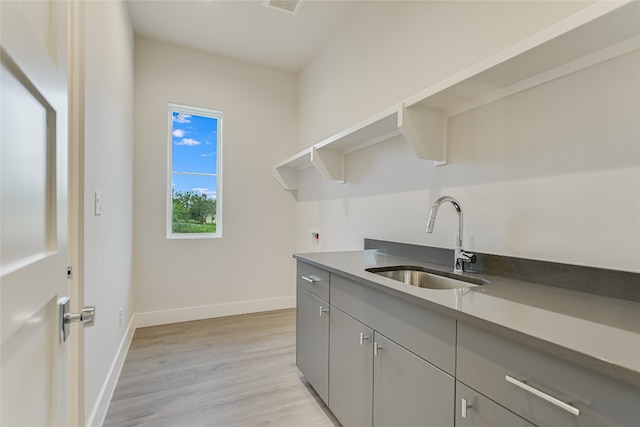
x=188 y=141
x=207 y=154
x=182 y=118
x=179 y=133
x=209 y=193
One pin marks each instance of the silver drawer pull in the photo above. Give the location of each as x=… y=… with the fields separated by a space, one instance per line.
x=376 y=348
x=362 y=338
x=465 y=405
x=323 y=310
x=542 y=395
x=309 y=279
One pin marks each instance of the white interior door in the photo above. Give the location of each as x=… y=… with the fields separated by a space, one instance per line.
x=33 y=211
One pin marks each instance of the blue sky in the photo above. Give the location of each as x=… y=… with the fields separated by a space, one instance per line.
x=194 y=150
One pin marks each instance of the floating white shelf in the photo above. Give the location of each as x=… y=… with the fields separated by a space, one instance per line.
x=596 y=34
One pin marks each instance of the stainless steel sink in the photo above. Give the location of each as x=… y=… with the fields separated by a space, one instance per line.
x=426 y=278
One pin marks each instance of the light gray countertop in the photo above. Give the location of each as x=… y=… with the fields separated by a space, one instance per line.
x=596 y=332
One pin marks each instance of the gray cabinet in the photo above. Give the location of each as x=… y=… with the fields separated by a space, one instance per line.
x=475 y=410
x=430 y=335
x=350 y=370
x=312 y=341
x=540 y=388
x=380 y=359
x=375 y=382
x=409 y=391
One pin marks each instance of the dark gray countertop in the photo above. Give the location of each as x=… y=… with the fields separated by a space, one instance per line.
x=596 y=332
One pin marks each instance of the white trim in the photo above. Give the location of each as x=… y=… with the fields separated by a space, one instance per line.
x=153 y=318
x=76 y=365
x=99 y=410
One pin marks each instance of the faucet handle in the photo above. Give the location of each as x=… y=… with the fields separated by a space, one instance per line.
x=461 y=257
x=465 y=256
x=472 y=258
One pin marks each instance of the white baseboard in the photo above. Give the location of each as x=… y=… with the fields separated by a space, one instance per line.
x=153 y=318
x=99 y=411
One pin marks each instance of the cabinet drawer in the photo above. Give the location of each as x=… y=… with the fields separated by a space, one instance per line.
x=542 y=389
x=430 y=335
x=475 y=410
x=314 y=280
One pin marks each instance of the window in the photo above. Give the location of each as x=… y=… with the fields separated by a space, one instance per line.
x=195 y=196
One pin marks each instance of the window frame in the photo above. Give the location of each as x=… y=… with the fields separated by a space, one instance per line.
x=202 y=112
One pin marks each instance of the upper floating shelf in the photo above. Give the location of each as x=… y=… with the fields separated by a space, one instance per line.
x=423 y=127
x=593 y=35
x=596 y=34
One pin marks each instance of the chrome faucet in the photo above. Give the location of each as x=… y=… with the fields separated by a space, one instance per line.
x=460 y=255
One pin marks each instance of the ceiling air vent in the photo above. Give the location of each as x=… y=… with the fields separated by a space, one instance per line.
x=288 y=6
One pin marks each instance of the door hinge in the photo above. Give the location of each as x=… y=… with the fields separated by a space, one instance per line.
x=69 y=272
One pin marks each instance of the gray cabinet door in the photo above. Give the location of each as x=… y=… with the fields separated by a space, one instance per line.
x=408 y=391
x=475 y=410
x=350 y=370
x=312 y=341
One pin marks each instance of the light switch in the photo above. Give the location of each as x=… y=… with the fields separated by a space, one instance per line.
x=98 y=204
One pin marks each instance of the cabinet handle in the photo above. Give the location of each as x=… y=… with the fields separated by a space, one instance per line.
x=465 y=406
x=376 y=348
x=309 y=279
x=362 y=338
x=559 y=403
x=323 y=310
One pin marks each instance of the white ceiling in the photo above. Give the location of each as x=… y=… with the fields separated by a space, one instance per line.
x=243 y=29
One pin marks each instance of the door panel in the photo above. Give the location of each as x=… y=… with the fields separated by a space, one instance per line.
x=409 y=391
x=38 y=15
x=27 y=234
x=350 y=370
x=33 y=208
x=312 y=341
x=28 y=358
x=480 y=411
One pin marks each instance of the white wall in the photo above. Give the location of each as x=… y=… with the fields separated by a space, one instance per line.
x=551 y=173
x=250 y=268
x=108 y=169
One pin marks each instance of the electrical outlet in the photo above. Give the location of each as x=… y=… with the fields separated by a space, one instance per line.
x=120 y=317
x=315 y=243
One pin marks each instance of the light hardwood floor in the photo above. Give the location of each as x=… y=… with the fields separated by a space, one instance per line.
x=230 y=371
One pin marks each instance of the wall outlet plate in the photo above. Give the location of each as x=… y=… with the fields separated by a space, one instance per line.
x=315 y=241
